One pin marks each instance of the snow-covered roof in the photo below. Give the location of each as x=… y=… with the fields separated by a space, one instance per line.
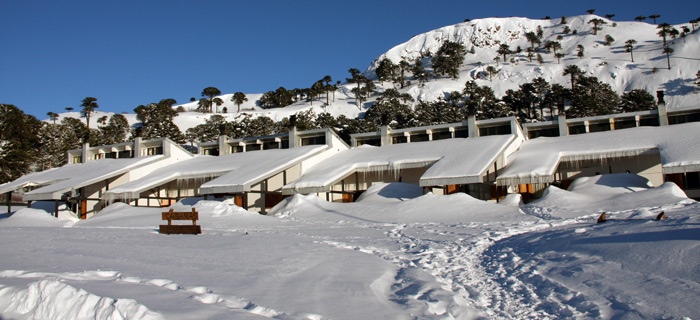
x=55 y=182
x=459 y=160
x=235 y=172
x=538 y=159
x=255 y=168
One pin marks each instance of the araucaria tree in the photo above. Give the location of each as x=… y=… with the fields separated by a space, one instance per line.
x=629 y=47
x=449 y=58
x=364 y=88
x=654 y=17
x=391 y=109
x=574 y=72
x=590 y=97
x=238 y=98
x=52 y=116
x=157 y=121
x=666 y=30
x=504 y=50
x=533 y=39
x=88 y=106
x=597 y=25
x=668 y=51
x=210 y=93
x=637 y=100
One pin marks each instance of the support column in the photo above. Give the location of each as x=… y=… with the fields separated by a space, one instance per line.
x=471 y=127
x=661 y=106
x=9 y=203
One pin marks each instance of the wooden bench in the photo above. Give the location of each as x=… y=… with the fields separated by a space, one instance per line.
x=170 y=228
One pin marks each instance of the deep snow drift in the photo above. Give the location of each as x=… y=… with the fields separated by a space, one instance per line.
x=395 y=254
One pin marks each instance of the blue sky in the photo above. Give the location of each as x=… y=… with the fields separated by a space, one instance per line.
x=127 y=53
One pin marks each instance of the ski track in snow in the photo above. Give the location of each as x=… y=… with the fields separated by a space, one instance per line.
x=42 y=297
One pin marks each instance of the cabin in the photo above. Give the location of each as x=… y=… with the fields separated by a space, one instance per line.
x=660 y=154
x=252 y=178
x=442 y=159
x=92 y=171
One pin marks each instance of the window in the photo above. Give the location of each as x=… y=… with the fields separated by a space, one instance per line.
x=577 y=129
x=625 y=123
x=496 y=130
x=371 y=142
x=649 y=122
x=209 y=152
x=441 y=135
x=599 y=126
x=125 y=154
x=543 y=132
x=399 y=139
x=158 y=150
x=271 y=145
x=420 y=137
x=319 y=140
x=462 y=133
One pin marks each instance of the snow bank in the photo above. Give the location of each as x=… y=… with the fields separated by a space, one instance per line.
x=29 y=217
x=603 y=193
x=52 y=299
x=390 y=192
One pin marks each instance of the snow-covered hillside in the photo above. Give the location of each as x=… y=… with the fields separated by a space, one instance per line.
x=611 y=64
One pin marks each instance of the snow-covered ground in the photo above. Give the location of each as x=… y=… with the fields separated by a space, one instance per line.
x=394 y=254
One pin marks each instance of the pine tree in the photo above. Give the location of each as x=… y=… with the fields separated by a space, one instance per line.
x=157 y=121
x=637 y=100
x=116 y=129
x=18 y=138
x=54 y=141
x=579 y=51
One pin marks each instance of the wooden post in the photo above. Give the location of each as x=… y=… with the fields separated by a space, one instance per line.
x=9 y=203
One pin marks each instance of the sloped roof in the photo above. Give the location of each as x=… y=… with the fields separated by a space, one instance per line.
x=55 y=182
x=235 y=172
x=459 y=160
x=538 y=159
